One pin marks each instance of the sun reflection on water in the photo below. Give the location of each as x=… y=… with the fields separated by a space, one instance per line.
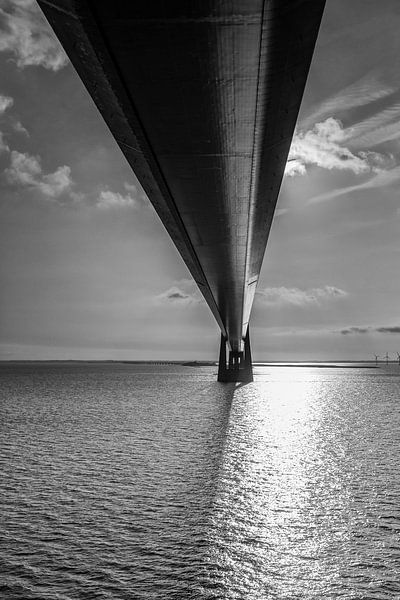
x=284 y=504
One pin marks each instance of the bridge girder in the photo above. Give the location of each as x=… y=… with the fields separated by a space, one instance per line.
x=202 y=98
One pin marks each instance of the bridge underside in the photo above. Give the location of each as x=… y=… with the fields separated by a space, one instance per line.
x=237 y=365
x=202 y=98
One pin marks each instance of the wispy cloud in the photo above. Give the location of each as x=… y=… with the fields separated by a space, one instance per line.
x=324 y=146
x=280 y=211
x=377 y=129
x=392 y=329
x=366 y=90
x=283 y=296
x=26 y=170
x=380 y=179
x=5 y=102
x=329 y=145
x=375 y=120
x=26 y=36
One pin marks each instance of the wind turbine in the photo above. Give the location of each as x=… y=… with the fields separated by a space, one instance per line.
x=376 y=359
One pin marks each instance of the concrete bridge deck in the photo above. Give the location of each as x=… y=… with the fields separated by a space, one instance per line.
x=202 y=98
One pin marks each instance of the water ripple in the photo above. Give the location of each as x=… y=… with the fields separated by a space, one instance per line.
x=126 y=482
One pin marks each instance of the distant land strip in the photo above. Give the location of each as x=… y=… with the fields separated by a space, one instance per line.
x=204 y=363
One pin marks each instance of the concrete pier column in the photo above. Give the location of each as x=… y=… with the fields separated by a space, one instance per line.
x=239 y=367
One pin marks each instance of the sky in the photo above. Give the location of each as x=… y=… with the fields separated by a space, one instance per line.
x=86 y=268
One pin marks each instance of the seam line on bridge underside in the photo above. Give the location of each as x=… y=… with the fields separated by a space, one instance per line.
x=253 y=156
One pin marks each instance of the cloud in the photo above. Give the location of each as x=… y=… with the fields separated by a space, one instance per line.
x=392 y=329
x=355 y=330
x=294 y=166
x=5 y=102
x=323 y=146
x=366 y=90
x=283 y=296
x=182 y=293
x=175 y=295
x=376 y=120
x=131 y=188
x=138 y=194
x=19 y=128
x=108 y=200
x=377 y=129
x=3 y=144
x=26 y=170
x=379 y=179
x=280 y=211
x=26 y=35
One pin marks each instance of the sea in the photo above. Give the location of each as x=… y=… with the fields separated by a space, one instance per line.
x=132 y=481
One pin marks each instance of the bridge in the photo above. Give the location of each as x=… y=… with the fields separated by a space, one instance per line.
x=202 y=97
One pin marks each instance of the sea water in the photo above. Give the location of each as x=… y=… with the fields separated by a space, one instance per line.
x=123 y=481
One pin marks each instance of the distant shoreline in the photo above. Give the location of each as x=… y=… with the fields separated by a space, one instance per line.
x=345 y=364
x=356 y=365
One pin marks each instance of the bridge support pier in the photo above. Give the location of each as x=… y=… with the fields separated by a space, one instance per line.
x=239 y=367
